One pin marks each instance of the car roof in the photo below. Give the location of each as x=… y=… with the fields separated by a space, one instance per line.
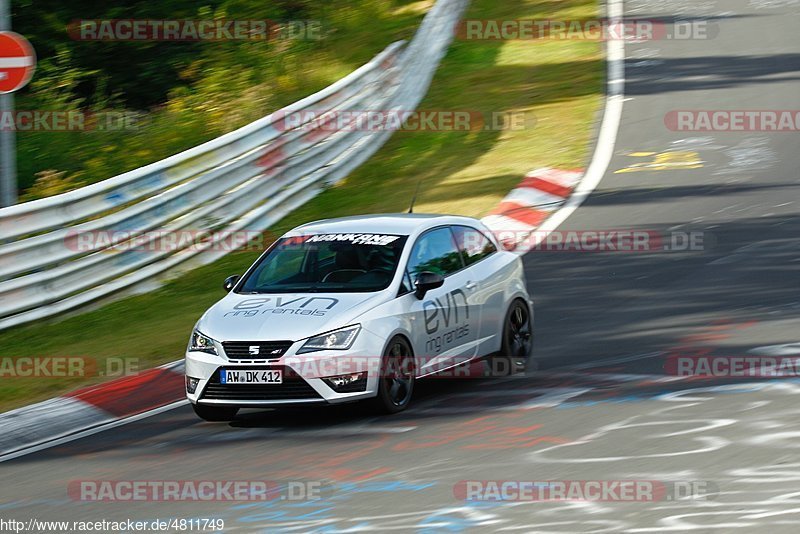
x=388 y=223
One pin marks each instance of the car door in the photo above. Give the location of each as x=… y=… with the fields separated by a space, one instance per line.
x=446 y=321
x=487 y=289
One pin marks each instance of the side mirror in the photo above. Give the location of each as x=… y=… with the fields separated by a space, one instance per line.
x=426 y=281
x=229 y=282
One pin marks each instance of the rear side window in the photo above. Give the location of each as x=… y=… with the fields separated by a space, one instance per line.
x=474 y=245
x=435 y=251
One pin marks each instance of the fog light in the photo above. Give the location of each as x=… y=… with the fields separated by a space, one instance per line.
x=349 y=383
x=191 y=384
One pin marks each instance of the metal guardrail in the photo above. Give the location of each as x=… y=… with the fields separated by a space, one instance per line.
x=242 y=181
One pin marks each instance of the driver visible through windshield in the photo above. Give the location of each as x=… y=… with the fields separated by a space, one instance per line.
x=345 y=262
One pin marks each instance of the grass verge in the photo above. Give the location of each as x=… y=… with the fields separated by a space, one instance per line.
x=558 y=83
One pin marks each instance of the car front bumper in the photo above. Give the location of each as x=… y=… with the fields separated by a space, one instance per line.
x=304 y=377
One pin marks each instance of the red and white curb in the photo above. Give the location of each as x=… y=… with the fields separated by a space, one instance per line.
x=95 y=407
x=542 y=192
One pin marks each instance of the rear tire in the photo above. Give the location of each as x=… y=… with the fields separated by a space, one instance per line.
x=215 y=414
x=515 y=351
x=397 y=376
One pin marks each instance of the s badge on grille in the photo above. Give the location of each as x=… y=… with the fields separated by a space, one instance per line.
x=254 y=350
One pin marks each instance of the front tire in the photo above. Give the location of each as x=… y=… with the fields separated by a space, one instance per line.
x=215 y=414
x=397 y=376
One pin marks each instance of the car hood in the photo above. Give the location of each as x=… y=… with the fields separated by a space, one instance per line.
x=285 y=316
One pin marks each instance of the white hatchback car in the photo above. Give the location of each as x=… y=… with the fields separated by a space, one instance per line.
x=358 y=308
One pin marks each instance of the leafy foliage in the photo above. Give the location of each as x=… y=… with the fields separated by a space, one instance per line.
x=190 y=91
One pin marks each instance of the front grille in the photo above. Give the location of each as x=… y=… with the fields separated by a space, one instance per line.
x=240 y=350
x=293 y=388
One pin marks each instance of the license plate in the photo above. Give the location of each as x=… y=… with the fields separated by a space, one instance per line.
x=251 y=376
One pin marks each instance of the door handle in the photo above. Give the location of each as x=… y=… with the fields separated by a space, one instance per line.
x=471 y=285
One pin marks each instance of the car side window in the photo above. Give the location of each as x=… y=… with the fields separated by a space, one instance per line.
x=473 y=244
x=435 y=251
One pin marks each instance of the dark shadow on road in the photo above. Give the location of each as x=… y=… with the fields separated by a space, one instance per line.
x=706 y=73
x=645 y=195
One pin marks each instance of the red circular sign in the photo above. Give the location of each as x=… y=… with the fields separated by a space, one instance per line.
x=17 y=62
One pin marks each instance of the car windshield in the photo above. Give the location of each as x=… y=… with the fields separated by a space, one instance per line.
x=327 y=263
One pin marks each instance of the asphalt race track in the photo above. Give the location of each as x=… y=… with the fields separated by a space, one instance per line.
x=602 y=403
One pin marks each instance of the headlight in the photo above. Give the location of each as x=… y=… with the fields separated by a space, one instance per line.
x=337 y=340
x=201 y=343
